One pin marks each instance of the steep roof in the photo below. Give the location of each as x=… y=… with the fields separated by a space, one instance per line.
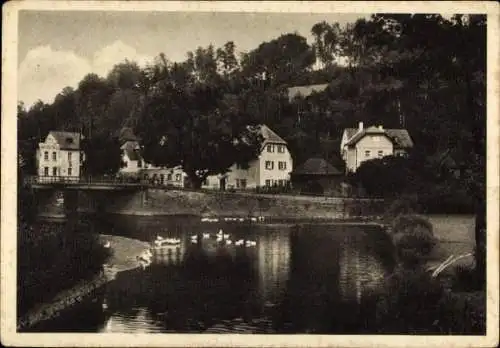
x=305 y=91
x=131 y=150
x=400 y=137
x=270 y=136
x=67 y=140
x=316 y=166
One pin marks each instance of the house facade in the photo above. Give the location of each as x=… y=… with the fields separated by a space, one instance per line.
x=271 y=168
x=131 y=157
x=60 y=155
x=362 y=144
x=134 y=165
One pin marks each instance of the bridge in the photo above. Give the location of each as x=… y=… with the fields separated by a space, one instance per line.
x=87 y=183
x=65 y=196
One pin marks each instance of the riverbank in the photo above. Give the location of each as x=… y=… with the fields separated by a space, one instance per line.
x=123 y=258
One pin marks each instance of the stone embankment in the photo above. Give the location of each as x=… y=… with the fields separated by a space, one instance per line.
x=183 y=202
x=124 y=253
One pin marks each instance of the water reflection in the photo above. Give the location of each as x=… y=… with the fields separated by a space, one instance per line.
x=309 y=278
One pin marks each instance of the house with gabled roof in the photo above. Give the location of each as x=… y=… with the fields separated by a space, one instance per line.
x=362 y=144
x=271 y=168
x=134 y=164
x=60 y=155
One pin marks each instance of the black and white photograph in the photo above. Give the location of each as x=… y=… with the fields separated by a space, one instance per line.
x=230 y=174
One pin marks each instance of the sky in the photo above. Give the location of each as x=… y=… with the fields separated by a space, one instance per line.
x=57 y=48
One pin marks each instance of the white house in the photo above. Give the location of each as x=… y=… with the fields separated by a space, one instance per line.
x=131 y=157
x=272 y=167
x=60 y=155
x=362 y=144
x=134 y=164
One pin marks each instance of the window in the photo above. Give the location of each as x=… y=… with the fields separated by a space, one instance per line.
x=282 y=165
x=54 y=171
x=367 y=153
x=206 y=182
x=237 y=183
x=162 y=178
x=280 y=182
x=54 y=156
x=177 y=177
x=381 y=154
x=146 y=176
x=70 y=171
x=169 y=177
x=139 y=164
x=281 y=148
x=243 y=183
x=46 y=171
x=268 y=183
x=69 y=157
x=125 y=164
x=46 y=155
x=270 y=148
x=269 y=165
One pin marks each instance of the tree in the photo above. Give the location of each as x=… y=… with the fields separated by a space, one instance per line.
x=103 y=155
x=191 y=127
x=279 y=61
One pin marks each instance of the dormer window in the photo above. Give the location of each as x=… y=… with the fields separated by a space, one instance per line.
x=69 y=140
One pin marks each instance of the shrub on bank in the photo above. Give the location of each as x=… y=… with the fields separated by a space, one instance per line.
x=413 y=238
x=52 y=259
x=404 y=205
x=413 y=302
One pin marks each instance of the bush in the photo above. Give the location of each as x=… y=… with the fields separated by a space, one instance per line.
x=51 y=258
x=413 y=238
x=416 y=303
x=405 y=205
x=465 y=279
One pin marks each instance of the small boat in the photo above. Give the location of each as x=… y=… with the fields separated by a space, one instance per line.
x=206 y=235
x=239 y=242
x=226 y=236
x=229 y=242
x=241 y=219
x=253 y=218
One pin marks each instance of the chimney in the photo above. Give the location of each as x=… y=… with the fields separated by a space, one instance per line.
x=380 y=127
x=360 y=126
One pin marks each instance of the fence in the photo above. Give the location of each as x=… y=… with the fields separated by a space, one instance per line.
x=111 y=180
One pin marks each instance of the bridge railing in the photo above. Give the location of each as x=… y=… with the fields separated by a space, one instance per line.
x=110 y=180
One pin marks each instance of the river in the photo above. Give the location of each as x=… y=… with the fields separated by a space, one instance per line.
x=270 y=278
